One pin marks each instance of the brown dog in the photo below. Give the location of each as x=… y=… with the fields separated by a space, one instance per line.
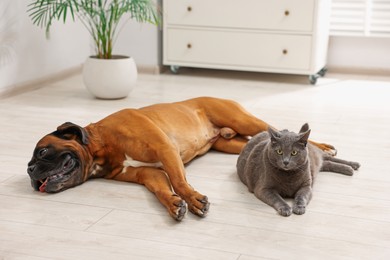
x=148 y=146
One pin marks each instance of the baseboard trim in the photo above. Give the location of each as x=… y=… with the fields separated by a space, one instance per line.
x=361 y=71
x=31 y=85
x=152 y=69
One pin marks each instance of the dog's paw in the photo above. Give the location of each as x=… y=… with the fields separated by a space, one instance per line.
x=198 y=205
x=329 y=149
x=178 y=208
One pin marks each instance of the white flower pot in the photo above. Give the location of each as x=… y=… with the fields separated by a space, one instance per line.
x=110 y=78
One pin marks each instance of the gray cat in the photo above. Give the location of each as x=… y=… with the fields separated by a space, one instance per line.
x=277 y=164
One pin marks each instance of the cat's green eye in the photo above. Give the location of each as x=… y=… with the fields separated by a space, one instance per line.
x=293 y=153
x=278 y=151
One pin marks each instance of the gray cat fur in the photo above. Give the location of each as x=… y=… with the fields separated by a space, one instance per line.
x=272 y=176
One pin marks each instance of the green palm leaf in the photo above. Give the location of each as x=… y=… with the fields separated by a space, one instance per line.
x=100 y=17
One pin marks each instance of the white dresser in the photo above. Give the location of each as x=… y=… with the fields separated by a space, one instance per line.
x=280 y=36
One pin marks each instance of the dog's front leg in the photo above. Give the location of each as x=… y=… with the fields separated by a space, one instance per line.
x=174 y=167
x=156 y=181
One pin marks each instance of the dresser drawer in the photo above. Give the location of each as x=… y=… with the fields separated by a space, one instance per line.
x=237 y=49
x=240 y=14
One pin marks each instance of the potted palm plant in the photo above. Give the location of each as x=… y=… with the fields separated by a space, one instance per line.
x=105 y=74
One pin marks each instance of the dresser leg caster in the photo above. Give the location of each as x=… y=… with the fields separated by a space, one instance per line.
x=313 y=78
x=323 y=71
x=174 y=69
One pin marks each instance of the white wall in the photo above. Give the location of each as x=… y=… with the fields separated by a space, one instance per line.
x=359 y=54
x=140 y=41
x=29 y=56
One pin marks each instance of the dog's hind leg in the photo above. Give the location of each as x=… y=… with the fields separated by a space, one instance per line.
x=229 y=114
x=224 y=113
x=233 y=145
x=246 y=124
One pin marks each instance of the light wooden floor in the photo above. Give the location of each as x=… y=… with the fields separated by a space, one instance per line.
x=348 y=217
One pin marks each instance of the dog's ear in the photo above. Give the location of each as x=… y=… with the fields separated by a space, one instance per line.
x=69 y=130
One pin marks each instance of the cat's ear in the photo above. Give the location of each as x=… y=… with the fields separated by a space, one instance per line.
x=304 y=128
x=304 y=137
x=273 y=134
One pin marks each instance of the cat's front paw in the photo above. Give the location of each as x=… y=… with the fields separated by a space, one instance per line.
x=299 y=209
x=285 y=211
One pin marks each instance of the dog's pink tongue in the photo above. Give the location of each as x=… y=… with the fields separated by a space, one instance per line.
x=42 y=188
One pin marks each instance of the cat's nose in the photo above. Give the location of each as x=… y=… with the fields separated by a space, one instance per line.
x=285 y=162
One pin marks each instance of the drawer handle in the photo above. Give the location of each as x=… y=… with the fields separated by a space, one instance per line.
x=189 y=46
x=189 y=8
x=285 y=51
x=287 y=13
